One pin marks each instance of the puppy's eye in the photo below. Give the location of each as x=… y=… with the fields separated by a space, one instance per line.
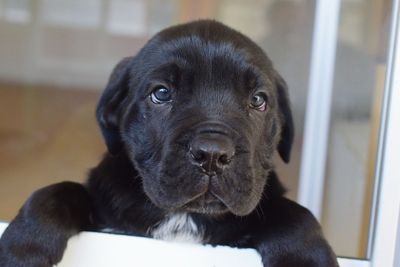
x=161 y=95
x=259 y=101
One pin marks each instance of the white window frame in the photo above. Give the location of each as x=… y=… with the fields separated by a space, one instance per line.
x=318 y=105
x=385 y=225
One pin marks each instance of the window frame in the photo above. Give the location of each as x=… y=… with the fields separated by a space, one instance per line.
x=384 y=236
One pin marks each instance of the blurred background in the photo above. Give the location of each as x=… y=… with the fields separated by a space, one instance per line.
x=56 y=56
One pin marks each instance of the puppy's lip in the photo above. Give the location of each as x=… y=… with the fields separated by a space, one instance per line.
x=229 y=204
x=206 y=203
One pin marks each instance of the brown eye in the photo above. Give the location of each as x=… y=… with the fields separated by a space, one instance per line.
x=161 y=95
x=259 y=101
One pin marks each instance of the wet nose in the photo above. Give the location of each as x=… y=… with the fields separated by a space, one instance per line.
x=212 y=152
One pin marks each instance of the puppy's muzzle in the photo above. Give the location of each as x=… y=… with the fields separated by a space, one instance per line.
x=212 y=149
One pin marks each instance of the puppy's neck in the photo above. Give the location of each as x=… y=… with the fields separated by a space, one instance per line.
x=178 y=227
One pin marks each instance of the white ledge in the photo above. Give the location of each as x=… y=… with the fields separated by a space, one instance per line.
x=106 y=250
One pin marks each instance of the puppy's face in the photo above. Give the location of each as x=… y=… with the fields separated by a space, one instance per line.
x=199 y=111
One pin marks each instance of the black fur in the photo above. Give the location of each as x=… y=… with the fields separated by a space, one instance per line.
x=148 y=173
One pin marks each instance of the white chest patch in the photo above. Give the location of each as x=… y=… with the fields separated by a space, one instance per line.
x=178 y=227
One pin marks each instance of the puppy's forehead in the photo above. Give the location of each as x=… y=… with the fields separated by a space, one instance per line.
x=205 y=42
x=209 y=31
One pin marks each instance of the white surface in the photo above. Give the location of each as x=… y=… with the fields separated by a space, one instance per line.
x=2 y=227
x=318 y=105
x=106 y=250
x=353 y=263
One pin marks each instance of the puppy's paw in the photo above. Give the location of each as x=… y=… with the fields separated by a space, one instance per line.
x=38 y=236
x=23 y=255
x=25 y=244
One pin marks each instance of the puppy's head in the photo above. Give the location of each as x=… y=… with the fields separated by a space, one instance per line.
x=199 y=111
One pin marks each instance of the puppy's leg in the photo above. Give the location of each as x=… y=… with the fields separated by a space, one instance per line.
x=37 y=237
x=290 y=236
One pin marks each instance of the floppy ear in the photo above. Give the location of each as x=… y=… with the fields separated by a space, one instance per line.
x=108 y=108
x=287 y=131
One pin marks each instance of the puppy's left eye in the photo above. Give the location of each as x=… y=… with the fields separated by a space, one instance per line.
x=161 y=95
x=259 y=101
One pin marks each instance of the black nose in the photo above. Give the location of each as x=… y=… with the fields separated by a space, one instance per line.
x=212 y=152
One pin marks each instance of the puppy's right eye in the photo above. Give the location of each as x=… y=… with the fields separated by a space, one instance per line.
x=259 y=101
x=161 y=95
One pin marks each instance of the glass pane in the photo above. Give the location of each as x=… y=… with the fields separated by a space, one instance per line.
x=52 y=135
x=355 y=116
x=74 y=13
x=127 y=17
x=288 y=43
x=16 y=11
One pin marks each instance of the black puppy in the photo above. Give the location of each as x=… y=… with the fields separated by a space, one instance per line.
x=191 y=123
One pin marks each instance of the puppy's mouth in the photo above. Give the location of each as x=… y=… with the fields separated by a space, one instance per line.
x=208 y=203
